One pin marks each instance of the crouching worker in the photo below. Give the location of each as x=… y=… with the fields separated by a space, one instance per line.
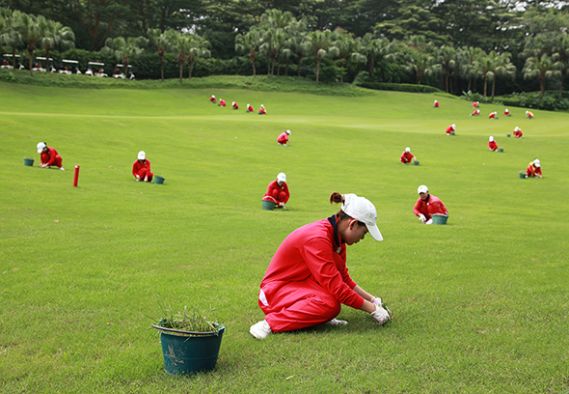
x=250 y=108
x=475 y=112
x=534 y=169
x=407 y=157
x=428 y=205
x=282 y=139
x=277 y=191
x=141 y=168
x=49 y=156
x=212 y=99
x=234 y=105
x=451 y=129
x=529 y=114
x=262 y=110
x=307 y=280
x=518 y=133
x=492 y=145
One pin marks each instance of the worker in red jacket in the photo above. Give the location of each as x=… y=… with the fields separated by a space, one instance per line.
x=492 y=145
x=212 y=99
x=534 y=169
x=507 y=112
x=277 y=191
x=250 y=108
x=518 y=133
x=493 y=115
x=222 y=103
x=451 y=129
x=234 y=105
x=475 y=104
x=436 y=104
x=141 y=168
x=428 y=205
x=529 y=114
x=49 y=156
x=282 y=139
x=475 y=112
x=307 y=280
x=262 y=110
x=407 y=156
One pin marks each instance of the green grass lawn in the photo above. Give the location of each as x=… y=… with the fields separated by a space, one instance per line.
x=481 y=305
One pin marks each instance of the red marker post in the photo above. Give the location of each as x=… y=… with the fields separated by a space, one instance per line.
x=76 y=176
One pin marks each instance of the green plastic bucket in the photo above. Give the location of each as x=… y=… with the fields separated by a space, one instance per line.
x=523 y=175
x=508 y=135
x=440 y=219
x=28 y=162
x=501 y=150
x=268 y=205
x=159 y=180
x=416 y=162
x=190 y=353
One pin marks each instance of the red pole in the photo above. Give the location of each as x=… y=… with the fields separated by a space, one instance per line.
x=76 y=176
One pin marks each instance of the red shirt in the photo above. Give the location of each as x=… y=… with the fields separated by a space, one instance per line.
x=507 y=113
x=212 y=99
x=492 y=145
x=432 y=206
x=262 y=111
x=138 y=165
x=406 y=157
x=533 y=170
x=309 y=253
x=436 y=104
x=273 y=190
x=530 y=114
x=235 y=106
x=283 y=138
x=518 y=134
x=222 y=103
x=49 y=158
x=476 y=112
x=475 y=104
x=250 y=108
x=449 y=129
x=492 y=115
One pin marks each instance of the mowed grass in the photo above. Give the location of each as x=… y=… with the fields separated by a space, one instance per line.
x=481 y=305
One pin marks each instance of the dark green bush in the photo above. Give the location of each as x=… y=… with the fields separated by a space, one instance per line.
x=551 y=102
x=400 y=87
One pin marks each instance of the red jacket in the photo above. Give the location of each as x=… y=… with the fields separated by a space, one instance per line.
x=212 y=100
x=235 y=106
x=137 y=166
x=406 y=157
x=492 y=115
x=50 y=157
x=432 y=206
x=436 y=104
x=283 y=138
x=222 y=103
x=518 y=134
x=262 y=111
x=274 y=191
x=449 y=129
x=475 y=104
x=309 y=253
x=492 y=145
x=250 y=108
x=476 y=112
x=530 y=114
x=506 y=112
x=532 y=171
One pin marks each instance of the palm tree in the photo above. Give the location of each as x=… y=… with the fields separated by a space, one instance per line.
x=375 y=50
x=543 y=67
x=56 y=36
x=10 y=37
x=503 y=67
x=182 y=46
x=29 y=28
x=417 y=58
x=445 y=63
x=469 y=64
x=197 y=48
x=320 y=44
x=125 y=48
x=249 y=43
x=273 y=25
x=162 y=43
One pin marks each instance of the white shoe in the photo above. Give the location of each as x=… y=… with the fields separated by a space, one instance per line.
x=430 y=221
x=62 y=169
x=337 y=323
x=260 y=330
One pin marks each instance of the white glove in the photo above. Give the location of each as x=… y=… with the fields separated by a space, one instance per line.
x=381 y=315
x=376 y=301
x=422 y=218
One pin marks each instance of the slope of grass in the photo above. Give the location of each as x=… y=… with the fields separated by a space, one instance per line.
x=480 y=305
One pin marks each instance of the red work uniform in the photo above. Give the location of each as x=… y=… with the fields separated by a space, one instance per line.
x=235 y=105
x=212 y=100
x=51 y=158
x=142 y=169
x=475 y=104
x=406 y=157
x=307 y=280
x=493 y=146
x=433 y=206
x=262 y=111
x=476 y=112
x=518 y=133
x=529 y=114
x=492 y=115
x=282 y=138
x=450 y=130
x=533 y=171
x=222 y=103
x=436 y=104
x=507 y=112
x=250 y=108
x=277 y=194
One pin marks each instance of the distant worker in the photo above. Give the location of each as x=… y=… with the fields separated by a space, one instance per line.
x=518 y=133
x=493 y=115
x=492 y=145
x=283 y=138
x=277 y=191
x=428 y=205
x=529 y=114
x=475 y=104
x=451 y=130
x=534 y=169
x=234 y=105
x=141 y=168
x=222 y=103
x=475 y=112
x=436 y=104
x=212 y=99
x=49 y=156
x=250 y=108
x=262 y=110
x=507 y=112
x=407 y=157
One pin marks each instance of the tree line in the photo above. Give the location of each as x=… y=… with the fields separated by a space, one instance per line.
x=484 y=45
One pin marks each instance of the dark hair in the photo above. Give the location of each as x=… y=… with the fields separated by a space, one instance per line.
x=339 y=198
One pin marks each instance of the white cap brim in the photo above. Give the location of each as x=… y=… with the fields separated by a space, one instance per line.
x=40 y=150
x=374 y=232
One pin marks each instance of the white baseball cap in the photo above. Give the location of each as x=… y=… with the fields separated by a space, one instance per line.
x=281 y=177
x=141 y=155
x=537 y=163
x=213 y=95
x=517 y=128
x=422 y=189
x=288 y=132
x=362 y=209
x=408 y=149
x=453 y=126
x=41 y=146
x=490 y=138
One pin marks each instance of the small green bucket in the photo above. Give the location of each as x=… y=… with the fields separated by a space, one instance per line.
x=501 y=150
x=416 y=162
x=269 y=205
x=523 y=175
x=159 y=180
x=187 y=354
x=28 y=162
x=440 y=219
x=508 y=135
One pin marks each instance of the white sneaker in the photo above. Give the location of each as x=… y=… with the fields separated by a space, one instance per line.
x=337 y=323
x=260 y=330
x=62 y=169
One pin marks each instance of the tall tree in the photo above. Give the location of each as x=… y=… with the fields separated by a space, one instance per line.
x=56 y=36
x=162 y=43
x=249 y=44
x=318 y=45
x=29 y=28
x=124 y=48
x=543 y=67
x=469 y=64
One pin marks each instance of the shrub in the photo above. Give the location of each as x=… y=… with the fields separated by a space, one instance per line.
x=401 y=87
x=551 y=102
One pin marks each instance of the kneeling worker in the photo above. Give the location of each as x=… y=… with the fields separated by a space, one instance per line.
x=141 y=168
x=407 y=157
x=282 y=139
x=277 y=191
x=49 y=156
x=428 y=205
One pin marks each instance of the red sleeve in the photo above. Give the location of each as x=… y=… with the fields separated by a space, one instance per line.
x=538 y=171
x=135 y=168
x=287 y=193
x=52 y=157
x=417 y=207
x=270 y=188
x=319 y=258
x=402 y=158
x=439 y=207
x=348 y=279
x=148 y=164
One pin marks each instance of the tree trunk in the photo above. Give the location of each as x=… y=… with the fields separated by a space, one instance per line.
x=370 y=65
x=541 y=85
x=446 y=82
x=299 y=63
x=181 y=66
x=493 y=87
x=254 y=67
x=485 y=85
x=469 y=84
x=317 y=70
x=161 y=66
x=190 y=69
x=30 y=57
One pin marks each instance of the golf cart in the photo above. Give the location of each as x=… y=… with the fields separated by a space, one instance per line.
x=69 y=66
x=96 y=69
